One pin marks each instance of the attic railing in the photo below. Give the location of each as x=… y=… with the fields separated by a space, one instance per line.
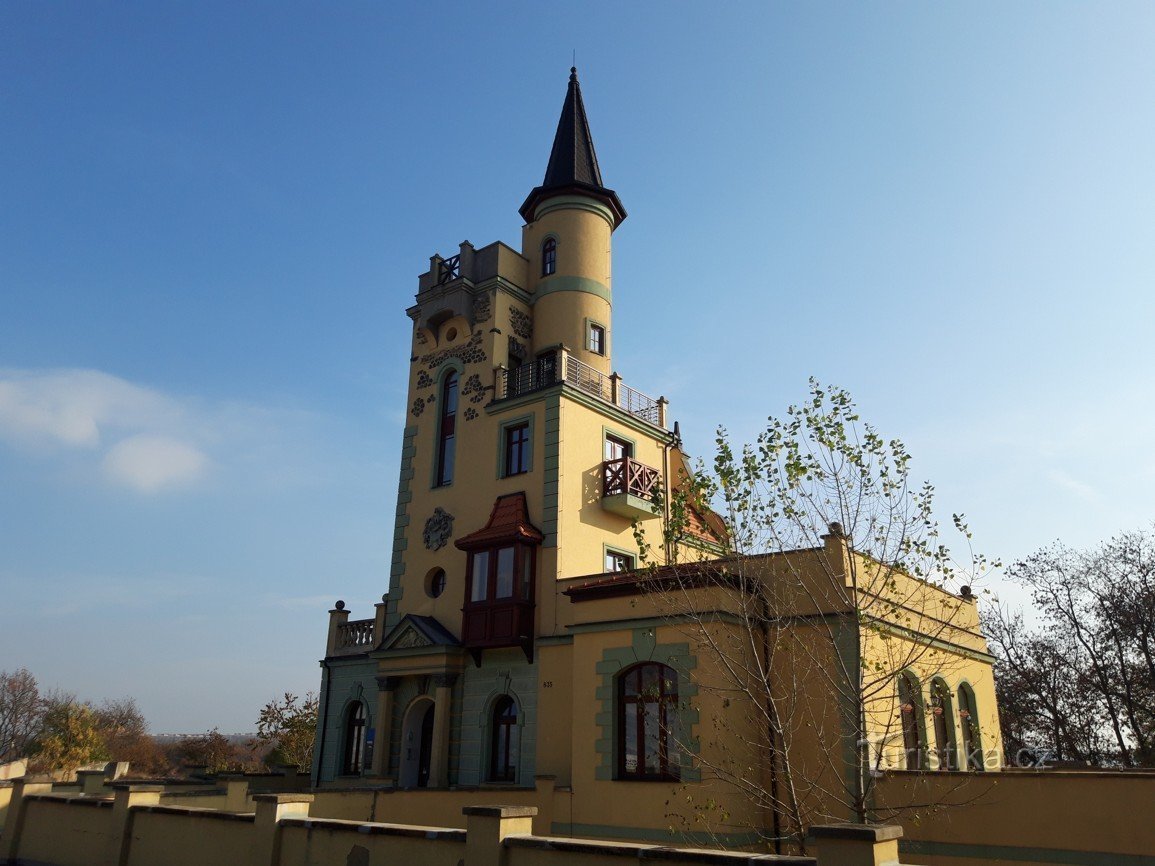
x=560 y=366
x=356 y=635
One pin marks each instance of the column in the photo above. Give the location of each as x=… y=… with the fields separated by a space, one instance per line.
x=486 y=826
x=439 y=762
x=386 y=686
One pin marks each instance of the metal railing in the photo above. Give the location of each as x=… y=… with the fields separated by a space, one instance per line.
x=560 y=366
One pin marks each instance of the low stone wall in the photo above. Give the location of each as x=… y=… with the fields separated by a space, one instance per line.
x=306 y=841
x=187 y=836
x=1075 y=818
x=134 y=829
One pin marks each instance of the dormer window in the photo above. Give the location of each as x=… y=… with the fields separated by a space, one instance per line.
x=548 y=257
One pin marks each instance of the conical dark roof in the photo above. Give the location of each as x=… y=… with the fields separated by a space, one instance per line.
x=573 y=162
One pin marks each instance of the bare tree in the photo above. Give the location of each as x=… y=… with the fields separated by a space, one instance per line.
x=20 y=713
x=836 y=582
x=1082 y=684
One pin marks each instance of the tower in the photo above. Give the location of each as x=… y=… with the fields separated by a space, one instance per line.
x=525 y=462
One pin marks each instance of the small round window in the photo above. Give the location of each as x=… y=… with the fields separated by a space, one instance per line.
x=451 y=334
x=435 y=582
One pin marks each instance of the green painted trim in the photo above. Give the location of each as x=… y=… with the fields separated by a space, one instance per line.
x=554 y=640
x=505 y=425
x=645 y=648
x=439 y=375
x=567 y=283
x=948 y=711
x=619 y=415
x=1022 y=854
x=650 y=834
x=552 y=466
x=610 y=431
x=587 y=328
x=607 y=549
x=937 y=643
x=977 y=732
x=573 y=202
x=400 y=524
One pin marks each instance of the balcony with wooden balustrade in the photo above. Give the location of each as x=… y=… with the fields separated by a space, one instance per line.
x=628 y=488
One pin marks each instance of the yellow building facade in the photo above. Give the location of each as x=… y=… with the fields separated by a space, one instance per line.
x=518 y=640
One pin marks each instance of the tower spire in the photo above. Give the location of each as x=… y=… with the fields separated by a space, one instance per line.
x=573 y=162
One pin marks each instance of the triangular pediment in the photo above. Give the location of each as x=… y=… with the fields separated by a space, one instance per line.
x=417 y=633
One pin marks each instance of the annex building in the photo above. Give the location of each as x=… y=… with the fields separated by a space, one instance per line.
x=519 y=647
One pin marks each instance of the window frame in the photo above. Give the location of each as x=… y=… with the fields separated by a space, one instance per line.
x=608 y=552
x=549 y=256
x=942 y=719
x=446 y=442
x=504 y=732
x=354 y=728
x=524 y=448
x=910 y=721
x=669 y=750
x=602 y=347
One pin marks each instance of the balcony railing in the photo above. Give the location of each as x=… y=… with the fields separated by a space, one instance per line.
x=355 y=636
x=626 y=475
x=560 y=366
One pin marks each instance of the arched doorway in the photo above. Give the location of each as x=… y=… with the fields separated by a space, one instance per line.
x=417 y=744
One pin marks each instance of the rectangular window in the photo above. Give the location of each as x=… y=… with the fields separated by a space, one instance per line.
x=480 y=576
x=616 y=448
x=517 y=449
x=504 y=581
x=597 y=339
x=616 y=561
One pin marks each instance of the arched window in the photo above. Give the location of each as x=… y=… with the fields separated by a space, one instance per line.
x=969 y=722
x=447 y=430
x=647 y=722
x=940 y=708
x=910 y=712
x=503 y=753
x=548 y=257
x=353 y=761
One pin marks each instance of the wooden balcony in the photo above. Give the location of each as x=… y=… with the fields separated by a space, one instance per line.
x=628 y=488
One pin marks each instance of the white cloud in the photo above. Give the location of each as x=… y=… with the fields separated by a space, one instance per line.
x=77 y=408
x=151 y=463
x=146 y=440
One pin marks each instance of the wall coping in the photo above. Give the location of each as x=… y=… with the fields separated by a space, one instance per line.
x=444 y=834
x=857 y=832
x=73 y=800
x=199 y=812
x=642 y=851
x=137 y=787
x=282 y=798
x=500 y=811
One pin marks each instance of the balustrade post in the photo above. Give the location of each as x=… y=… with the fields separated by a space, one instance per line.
x=662 y=404
x=500 y=382
x=615 y=389
x=379 y=611
x=465 y=260
x=561 y=374
x=338 y=616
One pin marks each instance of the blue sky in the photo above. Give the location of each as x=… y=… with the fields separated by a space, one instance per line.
x=213 y=216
